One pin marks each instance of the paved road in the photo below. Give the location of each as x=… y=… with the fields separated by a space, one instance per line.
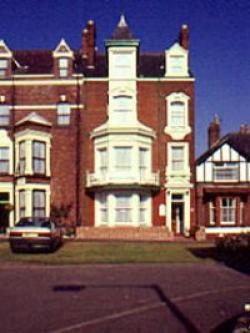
x=120 y=298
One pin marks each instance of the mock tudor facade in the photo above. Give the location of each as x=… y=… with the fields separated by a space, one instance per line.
x=223 y=182
x=106 y=138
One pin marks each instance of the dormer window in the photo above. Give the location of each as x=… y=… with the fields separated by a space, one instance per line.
x=63 y=60
x=177 y=61
x=4 y=115
x=63 y=65
x=63 y=114
x=3 y=68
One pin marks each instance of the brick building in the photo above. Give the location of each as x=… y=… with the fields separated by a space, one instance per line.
x=106 y=140
x=223 y=182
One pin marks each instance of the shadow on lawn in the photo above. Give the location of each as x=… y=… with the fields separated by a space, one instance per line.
x=238 y=259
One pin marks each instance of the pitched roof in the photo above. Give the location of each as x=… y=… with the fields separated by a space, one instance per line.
x=122 y=31
x=238 y=141
x=33 y=61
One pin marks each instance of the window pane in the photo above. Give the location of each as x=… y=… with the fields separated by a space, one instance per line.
x=177 y=158
x=176 y=64
x=38 y=203
x=122 y=64
x=123 y=158
x=3 y=63
x=38 y=149
x=4 y=115
x=123 y=208
x=63 y=113
x=4 y=153
x=177 y=114
x=63 y=62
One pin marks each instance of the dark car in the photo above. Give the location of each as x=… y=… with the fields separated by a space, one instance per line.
x=31 y=233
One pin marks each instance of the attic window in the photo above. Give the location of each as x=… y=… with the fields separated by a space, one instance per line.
x=3 y=67
x=63 y=67
x=176 y=64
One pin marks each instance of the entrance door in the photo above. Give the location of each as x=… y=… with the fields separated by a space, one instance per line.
x=177 y=214
x=4 y=212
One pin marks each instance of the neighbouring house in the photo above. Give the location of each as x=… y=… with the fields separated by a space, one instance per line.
x=223 y=182
x=109 y=135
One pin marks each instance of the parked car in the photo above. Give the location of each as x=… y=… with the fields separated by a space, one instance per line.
x=31 y=233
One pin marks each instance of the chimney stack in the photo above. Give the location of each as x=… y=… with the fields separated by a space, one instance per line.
x=214 y=131
x=85 y=42
x=184 y=36
x=88 y=44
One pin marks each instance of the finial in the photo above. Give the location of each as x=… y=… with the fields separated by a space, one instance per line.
x=122 y=23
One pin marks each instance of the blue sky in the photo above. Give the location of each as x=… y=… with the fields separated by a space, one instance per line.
x=219 y=42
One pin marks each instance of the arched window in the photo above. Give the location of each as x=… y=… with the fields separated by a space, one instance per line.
x=177 y=114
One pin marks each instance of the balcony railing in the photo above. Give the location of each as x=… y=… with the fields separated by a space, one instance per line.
x=137 y=178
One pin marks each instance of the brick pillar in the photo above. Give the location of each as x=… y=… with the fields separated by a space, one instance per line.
x=237 y=211
x=217 y=211
x=200 y=209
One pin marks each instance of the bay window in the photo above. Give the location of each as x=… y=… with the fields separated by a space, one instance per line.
x=103 y=162
x=143 y=161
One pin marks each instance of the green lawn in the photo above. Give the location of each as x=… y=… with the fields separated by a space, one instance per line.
x=104 y=252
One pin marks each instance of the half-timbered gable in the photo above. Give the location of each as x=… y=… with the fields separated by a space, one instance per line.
x=223 y=184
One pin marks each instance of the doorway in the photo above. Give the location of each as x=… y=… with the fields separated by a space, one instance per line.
x=177 y=214
x=4 y=212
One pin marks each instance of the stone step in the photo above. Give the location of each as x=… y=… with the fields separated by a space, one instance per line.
x=124 y=233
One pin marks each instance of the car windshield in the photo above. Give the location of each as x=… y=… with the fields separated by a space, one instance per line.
x=32 y=222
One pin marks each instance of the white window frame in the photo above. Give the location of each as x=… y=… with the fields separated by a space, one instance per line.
x=212 y=212
x=63 y=67
x=63 y=114
x=4 y=115
x=124 y=209
x=5 y=160
x=124 y=168
x=176 y=131
x=39 y=208
x=186 y=167
x=176 y=52
x=102 y=158
x=228 y=210
x=4 y=64
x=226 y=171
